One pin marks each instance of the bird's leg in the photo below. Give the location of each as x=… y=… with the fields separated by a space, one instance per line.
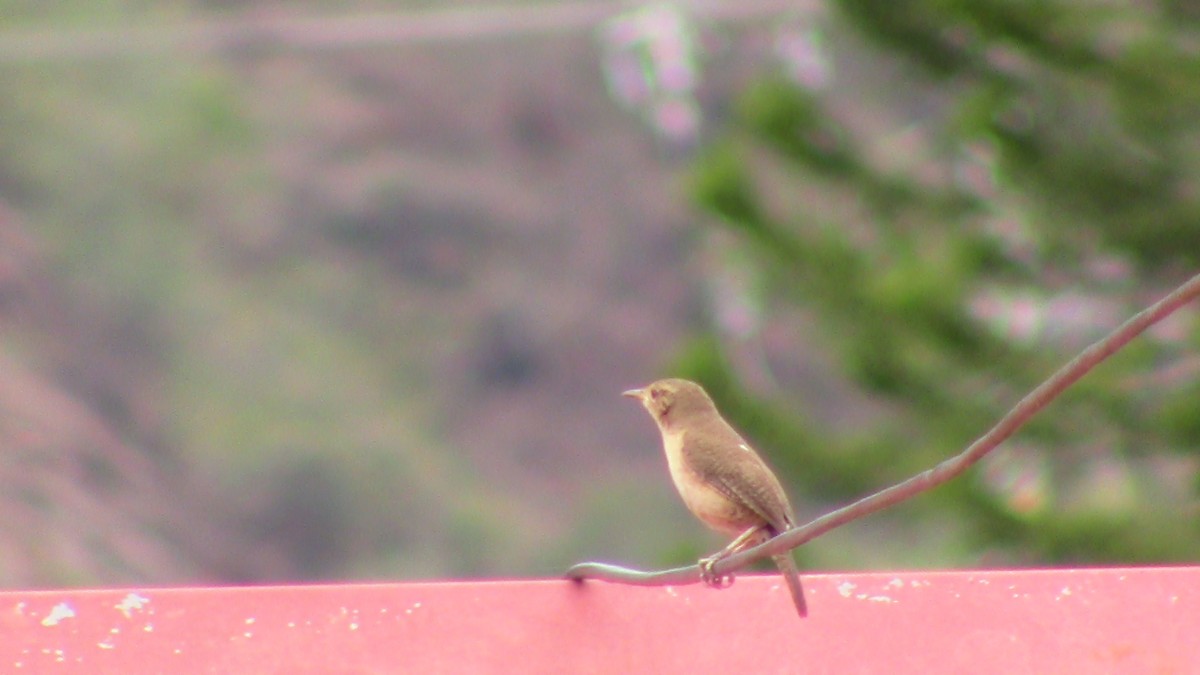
x=748 y=538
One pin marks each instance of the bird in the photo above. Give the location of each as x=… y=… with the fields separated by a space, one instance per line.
x=721 y=479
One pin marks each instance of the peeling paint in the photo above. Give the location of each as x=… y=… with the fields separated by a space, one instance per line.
x=59 y=612
x=130 y=603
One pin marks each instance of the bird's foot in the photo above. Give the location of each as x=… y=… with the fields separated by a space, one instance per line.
x=711 y=578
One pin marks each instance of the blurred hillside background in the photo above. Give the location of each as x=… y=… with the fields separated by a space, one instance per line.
x=300 y=291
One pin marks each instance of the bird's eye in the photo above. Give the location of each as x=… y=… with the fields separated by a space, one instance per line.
x=655 y=393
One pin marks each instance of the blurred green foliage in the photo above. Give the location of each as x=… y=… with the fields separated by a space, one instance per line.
x=1051 y=194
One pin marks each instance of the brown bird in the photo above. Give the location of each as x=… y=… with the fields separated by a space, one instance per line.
x=722 y=480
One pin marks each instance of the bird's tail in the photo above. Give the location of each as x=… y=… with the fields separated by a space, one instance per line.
x=788 y=567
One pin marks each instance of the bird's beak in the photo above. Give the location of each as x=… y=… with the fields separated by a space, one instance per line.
x=639 y=394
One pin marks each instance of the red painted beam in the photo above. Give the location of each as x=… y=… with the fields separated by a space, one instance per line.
x=1143 y=620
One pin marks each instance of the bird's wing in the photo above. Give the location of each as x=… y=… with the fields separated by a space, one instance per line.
x=741 y=476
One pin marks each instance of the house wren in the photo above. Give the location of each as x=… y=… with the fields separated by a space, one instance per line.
x=722 y=480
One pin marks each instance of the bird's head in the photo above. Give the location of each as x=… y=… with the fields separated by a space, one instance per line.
x=669 y=400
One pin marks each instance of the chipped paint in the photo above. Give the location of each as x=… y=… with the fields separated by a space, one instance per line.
x=59 y=612
x=131 y=603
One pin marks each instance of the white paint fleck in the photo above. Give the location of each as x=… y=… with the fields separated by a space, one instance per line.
x=1066 y=590
x=745 y=447
x=59 y=612
x=148 y=628
x=895 y=583
x=353 y=625
x=106 y=645
x=881 y=598
x=130 y=603
x=846 y=589
x=291 y=624
x=250 y=621
x=247 y=635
